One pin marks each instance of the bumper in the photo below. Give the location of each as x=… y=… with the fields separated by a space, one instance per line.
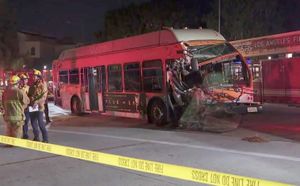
x=244 y=108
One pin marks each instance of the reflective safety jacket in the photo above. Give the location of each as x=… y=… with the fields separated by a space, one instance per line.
x=25 y=88
x=38 y=94
x=14 y=101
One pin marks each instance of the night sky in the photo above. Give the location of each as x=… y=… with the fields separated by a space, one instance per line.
x=78 y=19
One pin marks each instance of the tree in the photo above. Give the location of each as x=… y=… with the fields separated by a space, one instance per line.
x=8 y=36
x=243 y=19
x=152 y=16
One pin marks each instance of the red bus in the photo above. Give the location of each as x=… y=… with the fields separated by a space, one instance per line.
x=129 y=77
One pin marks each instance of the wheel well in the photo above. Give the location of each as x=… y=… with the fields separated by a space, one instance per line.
x=72 y=98
x=161 y=121
x=152 y=101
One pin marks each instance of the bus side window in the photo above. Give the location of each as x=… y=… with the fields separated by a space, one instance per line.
x=100 y=78
x=152 y=76
x=84 y=79
x=63 y=77
x=115 y=78
x=81 y=77
x=74 y=76
x=103 y=78
x=132 y=76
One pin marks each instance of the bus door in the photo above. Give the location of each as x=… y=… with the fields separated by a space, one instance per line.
x=92 y=87
x=101 y=86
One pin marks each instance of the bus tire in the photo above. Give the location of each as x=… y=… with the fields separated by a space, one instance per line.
x=157 y=113
x=76 y=106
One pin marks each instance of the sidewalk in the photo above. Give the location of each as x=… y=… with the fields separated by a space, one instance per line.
x=56 y=114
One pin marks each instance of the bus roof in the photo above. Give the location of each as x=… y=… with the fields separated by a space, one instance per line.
x=162 y=37
x=197 y=35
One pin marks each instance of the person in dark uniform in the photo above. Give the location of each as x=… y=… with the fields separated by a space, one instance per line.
x=38 y=94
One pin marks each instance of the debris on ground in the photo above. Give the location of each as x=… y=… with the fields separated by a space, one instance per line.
x=255 y=139
x=209 y=117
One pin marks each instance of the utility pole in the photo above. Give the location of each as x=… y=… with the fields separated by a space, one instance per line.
x=219 y=26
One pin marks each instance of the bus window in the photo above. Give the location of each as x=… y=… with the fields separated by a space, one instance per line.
x=63 y=76
x=115 y=78
x=132 y=77
x=84 y=79
x=100 y=79
x=225 y=72
x=81 y=77
x=152 y=76
x=74 y=76
x=103 y=76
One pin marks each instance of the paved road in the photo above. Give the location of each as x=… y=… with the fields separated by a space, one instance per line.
x=278 y=159
x=278 y=120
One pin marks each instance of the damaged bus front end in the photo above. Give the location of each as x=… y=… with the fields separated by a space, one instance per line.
x=226 y=76
x=212 y=85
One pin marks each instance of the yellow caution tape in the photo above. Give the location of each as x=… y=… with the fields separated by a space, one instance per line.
x=153 y=167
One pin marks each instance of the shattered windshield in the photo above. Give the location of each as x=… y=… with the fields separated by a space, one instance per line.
x=226 y=67
x=225 y=73
x=207 y=52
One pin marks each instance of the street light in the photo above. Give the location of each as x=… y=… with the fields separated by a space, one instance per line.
x=45 y=67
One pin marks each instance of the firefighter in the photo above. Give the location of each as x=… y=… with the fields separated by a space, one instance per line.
x=24 y=86
x=14 y=102
x=38 y=94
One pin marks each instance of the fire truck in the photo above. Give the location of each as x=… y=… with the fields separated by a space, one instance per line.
x=275 y=64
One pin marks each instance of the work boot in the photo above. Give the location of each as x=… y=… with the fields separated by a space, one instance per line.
x=25 y=137
x=36 y=139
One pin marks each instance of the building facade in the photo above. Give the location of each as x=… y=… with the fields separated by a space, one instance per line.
x=40 y=50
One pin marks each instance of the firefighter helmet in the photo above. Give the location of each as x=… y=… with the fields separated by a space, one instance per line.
x=37 y=72
x=23 y=76
x=14 y=80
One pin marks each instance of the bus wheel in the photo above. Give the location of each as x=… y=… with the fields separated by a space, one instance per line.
x=157 y=113
x=76 y=106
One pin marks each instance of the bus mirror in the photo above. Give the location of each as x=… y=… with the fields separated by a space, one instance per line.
x=194 y=64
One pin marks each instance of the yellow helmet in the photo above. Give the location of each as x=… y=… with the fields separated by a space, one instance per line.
x=23 y=76
x=37 y=72
x=14 y=80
